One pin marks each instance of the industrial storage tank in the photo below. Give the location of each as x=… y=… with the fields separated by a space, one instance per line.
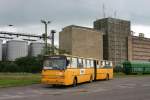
x=4 y=51
x=1 y=43
x=16 y=49
x=36 y=48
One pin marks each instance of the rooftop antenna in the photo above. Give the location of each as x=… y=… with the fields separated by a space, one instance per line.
x=104 y=14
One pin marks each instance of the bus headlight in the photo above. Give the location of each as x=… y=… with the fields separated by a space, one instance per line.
x=60 y=74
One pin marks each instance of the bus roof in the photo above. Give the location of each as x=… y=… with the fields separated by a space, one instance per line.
x=66 y=55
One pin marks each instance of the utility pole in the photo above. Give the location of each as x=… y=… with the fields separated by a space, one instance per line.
x=46 y=46
x=52 y=41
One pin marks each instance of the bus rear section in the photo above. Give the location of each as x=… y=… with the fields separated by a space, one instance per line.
x=104 y=70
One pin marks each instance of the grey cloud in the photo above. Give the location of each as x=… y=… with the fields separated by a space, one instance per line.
x=24 y=13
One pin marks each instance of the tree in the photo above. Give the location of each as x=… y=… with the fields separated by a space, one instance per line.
x=30 y=64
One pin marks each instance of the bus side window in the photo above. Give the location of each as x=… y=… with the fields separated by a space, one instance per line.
x=68 y=62
x=88 y=63
x=97 y=64
x=92 y=63
x=84 y=63
x=80 y=63
x=102 y=64
x=107 y=64
x=74 y=63
x=111 y=64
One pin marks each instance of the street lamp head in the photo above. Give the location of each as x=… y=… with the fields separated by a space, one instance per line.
x=43 y=21
x=53 y=31
x=10 y=25
x=49 y=22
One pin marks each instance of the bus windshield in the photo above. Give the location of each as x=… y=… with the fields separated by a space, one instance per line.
x=55 y=64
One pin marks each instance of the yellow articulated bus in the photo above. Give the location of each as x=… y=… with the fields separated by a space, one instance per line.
x=71 y=70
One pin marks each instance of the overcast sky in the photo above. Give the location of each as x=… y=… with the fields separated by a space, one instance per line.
x=25 y=15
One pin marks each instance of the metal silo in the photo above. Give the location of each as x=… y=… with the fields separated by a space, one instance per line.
x=4 y=51
x=16 y=49
x=36 y=48
x=1 y=42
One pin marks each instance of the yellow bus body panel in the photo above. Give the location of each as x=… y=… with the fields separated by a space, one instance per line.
x=66 y=77
x=53 y=77
x=103 y=72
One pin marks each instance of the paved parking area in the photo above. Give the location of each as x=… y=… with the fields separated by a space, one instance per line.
x=129 y=88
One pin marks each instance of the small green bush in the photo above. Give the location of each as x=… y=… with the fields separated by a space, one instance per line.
x=23 y=64
x=9 y=67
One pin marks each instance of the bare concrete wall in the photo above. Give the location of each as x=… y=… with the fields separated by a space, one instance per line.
x=140 y=48
x=65 y=40
x=130 y=48
x=85 y=42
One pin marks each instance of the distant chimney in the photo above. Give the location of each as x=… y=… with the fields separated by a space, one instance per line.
x=141 y=35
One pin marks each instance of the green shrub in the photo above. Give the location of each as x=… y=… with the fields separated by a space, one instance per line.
x=1 y=66
x=9 y=67
x=23 y=64
x=30 y=64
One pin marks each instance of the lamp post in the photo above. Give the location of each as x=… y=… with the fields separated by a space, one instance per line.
x=52 y=41
x=45 y=36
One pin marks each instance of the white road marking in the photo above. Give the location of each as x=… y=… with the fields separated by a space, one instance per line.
x=127 y=85
x=4 y=97
x=146 y=85
x=97 y=90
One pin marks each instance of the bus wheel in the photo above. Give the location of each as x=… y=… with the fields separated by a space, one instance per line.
x=107 y=77
x=91 y=79
x=74 y=82
x=54 y=85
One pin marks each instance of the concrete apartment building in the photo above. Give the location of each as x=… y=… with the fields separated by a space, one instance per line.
x=138 y=48
x=116 y=32
x=82 y=41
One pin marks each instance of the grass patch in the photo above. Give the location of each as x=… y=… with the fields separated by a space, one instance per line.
x=22 y=79
x=18 y=79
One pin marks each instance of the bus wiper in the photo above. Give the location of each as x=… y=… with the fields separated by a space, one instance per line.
x=56 y=67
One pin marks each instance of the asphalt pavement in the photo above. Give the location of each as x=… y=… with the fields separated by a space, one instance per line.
x=129 y=88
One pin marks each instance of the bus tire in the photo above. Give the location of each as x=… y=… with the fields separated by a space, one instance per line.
x=107 y=77
x=75 y=82
x=91 y=79
x=54 y=85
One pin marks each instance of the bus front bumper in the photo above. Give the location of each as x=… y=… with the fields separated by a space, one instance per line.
x=53 y=81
